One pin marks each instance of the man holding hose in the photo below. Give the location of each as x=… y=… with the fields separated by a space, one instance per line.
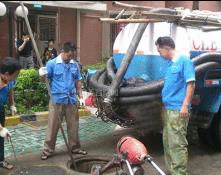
x=64 y=78
x=9 y=69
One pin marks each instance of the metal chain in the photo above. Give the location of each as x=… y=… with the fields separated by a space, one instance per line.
x=107 y=112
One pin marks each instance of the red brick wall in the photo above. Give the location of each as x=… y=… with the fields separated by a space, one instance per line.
x=4 y=51
x=214 y=6
x=185 y=4
x=91 y=28
x=4 y=35
x=91 y=38
x=68 y=25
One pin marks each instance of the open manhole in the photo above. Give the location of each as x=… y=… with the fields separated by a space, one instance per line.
x=39 y=170
x=84 y=164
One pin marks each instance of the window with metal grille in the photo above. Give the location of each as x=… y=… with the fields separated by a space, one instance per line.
x=47 y=28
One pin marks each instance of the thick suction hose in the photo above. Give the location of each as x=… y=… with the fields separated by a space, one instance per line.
x=150 y=90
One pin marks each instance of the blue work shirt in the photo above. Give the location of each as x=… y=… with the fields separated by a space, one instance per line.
x=178 y=74
x=62 y=79
x=4 y=93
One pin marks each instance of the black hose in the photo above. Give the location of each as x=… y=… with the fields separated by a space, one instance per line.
x=147 y=89
x=139 y=99
x=93 y=82
x=202 y=69
x=102 y=78
x=151 y=90
x=206 y=57
x=110 y=68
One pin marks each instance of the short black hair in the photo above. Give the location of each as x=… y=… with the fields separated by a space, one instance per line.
x=23 y=34
x=165 y=41
x=51 y=40
x=68 y=46
x=10 y=65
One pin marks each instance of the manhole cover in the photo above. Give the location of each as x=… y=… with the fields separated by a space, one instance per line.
x=44 y=170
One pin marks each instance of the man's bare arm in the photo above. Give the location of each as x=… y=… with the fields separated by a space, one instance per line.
x=11 y=98
x=23 y=45
x=79 y=89
x=184 y=112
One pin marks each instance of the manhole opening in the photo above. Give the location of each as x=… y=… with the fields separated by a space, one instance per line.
x=85 y=164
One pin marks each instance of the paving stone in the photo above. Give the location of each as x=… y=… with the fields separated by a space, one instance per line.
x=28 y=138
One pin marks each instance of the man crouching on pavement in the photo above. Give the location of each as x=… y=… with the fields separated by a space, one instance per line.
x=9 y=69
x=64 y=78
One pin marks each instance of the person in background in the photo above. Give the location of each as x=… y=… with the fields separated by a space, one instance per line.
x=177 y=93
x=9 y=69
x=25 y=50
x=50 y=52
x=64 y=77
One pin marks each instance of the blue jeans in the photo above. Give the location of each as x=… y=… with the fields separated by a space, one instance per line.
x=2 y=121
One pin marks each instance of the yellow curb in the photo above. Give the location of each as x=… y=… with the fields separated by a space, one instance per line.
x=41 y=116
x=44 y=115
x=12 y=120
x=84 y=112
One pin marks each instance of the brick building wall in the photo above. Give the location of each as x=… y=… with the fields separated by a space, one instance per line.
x=67 y=25
x=91 y=38
x=92 y=31
x=4 y=37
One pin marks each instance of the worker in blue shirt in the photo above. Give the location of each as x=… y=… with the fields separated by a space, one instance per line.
x=177 y=93
x=9 y=69
x=64 y=77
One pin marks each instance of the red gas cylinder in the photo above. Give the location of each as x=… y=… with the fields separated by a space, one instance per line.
x=90 y=101
x=136 y=151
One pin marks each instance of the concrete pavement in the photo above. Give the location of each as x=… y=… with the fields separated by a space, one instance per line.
x=100 y=146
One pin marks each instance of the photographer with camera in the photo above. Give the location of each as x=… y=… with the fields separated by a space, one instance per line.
x=24 y=48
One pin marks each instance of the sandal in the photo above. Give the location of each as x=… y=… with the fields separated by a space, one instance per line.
x=44 y=156
x=78 y=151
x=6 y=165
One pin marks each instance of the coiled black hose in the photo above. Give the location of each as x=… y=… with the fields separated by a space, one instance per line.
x=151 y=90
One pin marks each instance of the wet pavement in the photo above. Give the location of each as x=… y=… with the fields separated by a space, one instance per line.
x=99 y=139
x=29 y=137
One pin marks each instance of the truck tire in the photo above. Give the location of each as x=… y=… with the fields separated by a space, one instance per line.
x=216 y=130
x=212 y=135
x=205 y=136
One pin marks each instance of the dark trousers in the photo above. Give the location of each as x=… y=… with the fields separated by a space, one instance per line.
x=2 y=121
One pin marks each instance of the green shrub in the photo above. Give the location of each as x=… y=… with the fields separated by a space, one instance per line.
x=31 y=95
x=101 y=64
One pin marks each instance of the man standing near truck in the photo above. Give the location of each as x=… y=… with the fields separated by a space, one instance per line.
x=177 y=93
x=65 y=84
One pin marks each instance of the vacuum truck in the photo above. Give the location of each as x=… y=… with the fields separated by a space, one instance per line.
x=135 y=102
